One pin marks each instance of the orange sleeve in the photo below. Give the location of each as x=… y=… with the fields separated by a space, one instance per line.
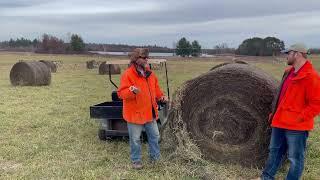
x=123 y=90
x=313 y=100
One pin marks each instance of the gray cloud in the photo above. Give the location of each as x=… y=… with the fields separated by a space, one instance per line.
x=162 y=23
x=21 y=3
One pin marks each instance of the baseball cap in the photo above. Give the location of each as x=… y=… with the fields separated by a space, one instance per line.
x=299 y=47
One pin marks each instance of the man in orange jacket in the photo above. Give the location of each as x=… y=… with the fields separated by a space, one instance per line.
x=297 y=103
x=139 y=89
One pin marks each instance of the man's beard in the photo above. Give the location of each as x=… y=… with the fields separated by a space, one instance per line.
x=290 y=62
x=142 y=66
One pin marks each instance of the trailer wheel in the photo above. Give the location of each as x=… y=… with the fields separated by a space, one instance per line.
x=102 y=135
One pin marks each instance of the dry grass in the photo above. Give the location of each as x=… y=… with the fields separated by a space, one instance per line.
x=46 y=132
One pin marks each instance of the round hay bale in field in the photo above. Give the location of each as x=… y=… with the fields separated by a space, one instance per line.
x=92 y=64
x=223 y=115
x=58 y=63
x=240 y=61
x=222 y=64
x=114 y=68
x=155 y=66
x=50 y=64
x=30 y=74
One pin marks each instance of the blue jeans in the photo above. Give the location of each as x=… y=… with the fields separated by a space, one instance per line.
x=153 y=137
x=282 y=141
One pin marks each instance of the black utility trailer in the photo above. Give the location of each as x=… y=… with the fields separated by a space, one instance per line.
x=109 y=114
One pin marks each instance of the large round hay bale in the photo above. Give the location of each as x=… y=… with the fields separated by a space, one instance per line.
x=223 y=64
x=114 y=68
x=92 y=64
x=30 y=74
x=50 y=64
x=223 y=115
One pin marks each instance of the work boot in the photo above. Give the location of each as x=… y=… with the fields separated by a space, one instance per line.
x=137 y=165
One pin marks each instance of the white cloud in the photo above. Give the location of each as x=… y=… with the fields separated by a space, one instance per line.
x=78 y=7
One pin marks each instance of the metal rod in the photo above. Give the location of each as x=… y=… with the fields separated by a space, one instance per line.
x=110 y=77
x=165 y=65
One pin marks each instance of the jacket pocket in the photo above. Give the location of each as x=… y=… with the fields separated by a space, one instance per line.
x=290 y=116
x=137 y=116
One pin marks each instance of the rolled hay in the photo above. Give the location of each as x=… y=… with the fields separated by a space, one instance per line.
x=92 y=64
x=155 y=66
x=240 y=61
x=58 y=63
x=222 y=116
x=114 y=68
x=32 y=73
x=222 y=64
x=50 y=64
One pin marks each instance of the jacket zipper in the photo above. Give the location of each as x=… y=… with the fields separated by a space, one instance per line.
x=285 y=76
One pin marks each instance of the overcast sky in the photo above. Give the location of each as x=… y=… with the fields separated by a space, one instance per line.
x=143 y=22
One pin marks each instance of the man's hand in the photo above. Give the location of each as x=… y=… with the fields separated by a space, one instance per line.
x=134 y=89
x=164 y=99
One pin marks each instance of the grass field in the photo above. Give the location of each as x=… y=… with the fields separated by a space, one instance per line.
x=46 y=132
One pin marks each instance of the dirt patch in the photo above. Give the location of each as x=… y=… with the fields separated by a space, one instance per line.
x=9 y=166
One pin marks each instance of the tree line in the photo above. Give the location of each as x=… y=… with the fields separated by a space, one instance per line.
x=185 y=48
x=52 y=44
x=256 y=46
x=47 y=44
x=269 y=46
x=125 y=48
x=314 y=51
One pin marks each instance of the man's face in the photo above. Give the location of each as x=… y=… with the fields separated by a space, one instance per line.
x=291 y=57
x=142 y=61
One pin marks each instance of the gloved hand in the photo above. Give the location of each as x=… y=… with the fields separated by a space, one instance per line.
x=134 y=89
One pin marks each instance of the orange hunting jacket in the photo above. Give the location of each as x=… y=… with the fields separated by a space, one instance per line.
x=300 y=102
x=137 y=108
